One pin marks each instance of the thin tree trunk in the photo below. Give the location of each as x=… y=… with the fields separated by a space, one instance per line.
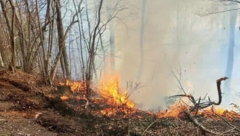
x=104 y=55
x=111 y=41
x=61 y=40
x=69 y=49
x=230 y=60
x=1 y=61
x=75 y=66
x=21 y=34
x=142 y=40
x=92 y=52
x=11 y=32
x=80 y=39
x=63 y=67
x=50 y=41
x=13 y=67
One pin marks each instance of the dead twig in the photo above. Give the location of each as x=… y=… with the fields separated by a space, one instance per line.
x=149 y=126
x=195 y=121
x=197 y=106
x=203 y=105
x=132 y=89
x=228 y=131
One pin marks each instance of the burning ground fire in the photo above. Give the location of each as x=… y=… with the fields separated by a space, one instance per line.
x=177 y=111
x=116 y=102
x=109 y=90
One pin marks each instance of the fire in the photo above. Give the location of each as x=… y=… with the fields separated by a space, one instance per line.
x=110 y=94
x=177 y=111
x=213 y=113
x=174 y=111
x=75 y=86
x=64 y=98
x=109 y=89
x=115 y=101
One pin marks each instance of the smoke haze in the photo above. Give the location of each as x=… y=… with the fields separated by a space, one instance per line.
x=189 y=37
x=177 y=34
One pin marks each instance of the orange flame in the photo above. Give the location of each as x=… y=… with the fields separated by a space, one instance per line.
x=75 y=86
x=64 y=98
x=118 y=101
x=109 y=89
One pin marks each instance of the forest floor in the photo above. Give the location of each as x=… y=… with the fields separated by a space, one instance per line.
x=27 y=108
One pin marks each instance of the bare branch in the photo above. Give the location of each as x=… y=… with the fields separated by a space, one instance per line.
x=217 y=12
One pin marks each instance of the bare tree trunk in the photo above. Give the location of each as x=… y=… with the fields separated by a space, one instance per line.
x=50 y=40
x=54 y=69
x=69 y=53
x=13 y=67
x=63 y=67
x=80 y=39
x=75 y=66
x=11 y=31
x=61 y=39
x=142 y=40
x=1 y=61
x=104 y=56
x=92 y=52
x=112 y=41
x=21 y=34
x=230 y=60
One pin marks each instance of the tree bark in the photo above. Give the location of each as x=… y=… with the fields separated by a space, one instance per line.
x=80 y=51
x=13 y=66
x=61 y=38
x=1 y=61
x=92 y=52
x=11 y=31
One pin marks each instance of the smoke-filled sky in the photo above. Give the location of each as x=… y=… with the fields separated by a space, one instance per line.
x=178 y=33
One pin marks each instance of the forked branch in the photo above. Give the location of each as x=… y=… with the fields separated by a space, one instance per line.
x=208 y=103
x=203 y=105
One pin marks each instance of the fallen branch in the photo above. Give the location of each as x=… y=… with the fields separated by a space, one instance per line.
x=228 y=131
x=203 y=105
x=195 y=121
x=149 y=126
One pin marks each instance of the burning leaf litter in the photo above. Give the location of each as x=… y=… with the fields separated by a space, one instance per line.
x=116 y=102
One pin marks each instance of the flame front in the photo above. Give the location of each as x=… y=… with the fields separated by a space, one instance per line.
x=75 y=86
x=174 y=111
x=109 y=89
x=110 y=93
x=64 y=98
x=116 y=100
